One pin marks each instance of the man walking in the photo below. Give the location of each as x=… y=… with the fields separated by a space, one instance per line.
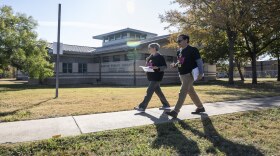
x=188 y=58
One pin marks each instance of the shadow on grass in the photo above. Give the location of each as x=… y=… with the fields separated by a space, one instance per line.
x=2 y=114
x=218 y=141
x=169 y=136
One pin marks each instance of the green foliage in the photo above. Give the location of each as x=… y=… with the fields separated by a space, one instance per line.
x=19 y=46
x=234 y=29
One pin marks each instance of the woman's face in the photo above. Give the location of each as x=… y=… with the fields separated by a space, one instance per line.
x=152 y=50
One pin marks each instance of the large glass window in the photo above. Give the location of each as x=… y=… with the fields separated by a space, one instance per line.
x=67 y=67
x=82 y=68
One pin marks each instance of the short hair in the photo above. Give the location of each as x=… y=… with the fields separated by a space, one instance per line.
x=185 y=37
x=154 y=45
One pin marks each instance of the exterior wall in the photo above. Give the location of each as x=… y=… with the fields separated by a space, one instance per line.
x=264 y=69
x=209 y=72
x=120 y=72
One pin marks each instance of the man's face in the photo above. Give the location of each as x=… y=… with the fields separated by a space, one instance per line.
x=181 y=42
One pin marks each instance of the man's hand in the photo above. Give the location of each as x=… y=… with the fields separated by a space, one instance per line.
x=200 y=76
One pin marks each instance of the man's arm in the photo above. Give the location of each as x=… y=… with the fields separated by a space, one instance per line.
x=199 y=65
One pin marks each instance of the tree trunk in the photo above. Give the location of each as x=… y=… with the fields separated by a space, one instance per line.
x=239 y=69
x=254 y=68
x=231 y=39
x=278 y=60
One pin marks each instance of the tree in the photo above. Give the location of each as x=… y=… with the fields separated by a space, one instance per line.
x=260 y=30
x=224 y=15
x=19 y=46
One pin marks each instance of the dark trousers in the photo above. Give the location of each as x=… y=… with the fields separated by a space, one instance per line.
x=154 y=86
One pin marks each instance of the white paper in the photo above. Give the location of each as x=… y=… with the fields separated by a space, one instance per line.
x=147 y=69
x=195 y=73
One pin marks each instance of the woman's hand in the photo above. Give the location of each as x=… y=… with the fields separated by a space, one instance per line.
x=173 y=65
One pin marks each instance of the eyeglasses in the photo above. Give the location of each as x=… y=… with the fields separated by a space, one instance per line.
x=179 y=41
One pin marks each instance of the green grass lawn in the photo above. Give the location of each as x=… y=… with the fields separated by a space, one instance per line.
x=18 y=101
x=250 y=133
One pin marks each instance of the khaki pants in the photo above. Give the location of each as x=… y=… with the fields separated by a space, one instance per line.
x=187 y=88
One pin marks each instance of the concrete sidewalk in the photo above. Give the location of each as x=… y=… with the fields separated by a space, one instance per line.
x=21 y=131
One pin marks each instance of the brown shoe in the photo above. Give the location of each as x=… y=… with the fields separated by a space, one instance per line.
x=198 y=110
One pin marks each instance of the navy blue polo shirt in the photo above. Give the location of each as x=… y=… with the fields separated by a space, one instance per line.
x=187 y=57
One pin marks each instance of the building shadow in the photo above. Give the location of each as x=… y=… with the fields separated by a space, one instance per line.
x=224 y=145
x=169 y=136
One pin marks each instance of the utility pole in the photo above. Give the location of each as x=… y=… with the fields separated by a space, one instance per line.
x=57 y=53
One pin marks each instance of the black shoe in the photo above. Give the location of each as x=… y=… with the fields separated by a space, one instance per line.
x=172 y=113
x=139 y=109
x=199 y=110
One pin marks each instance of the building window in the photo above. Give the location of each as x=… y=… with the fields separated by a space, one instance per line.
x=126 y=57
x=116 y=58
x=111 y=38
x=132 y=35
x=105 y=59
x=96 y=60
x=67 y=67
x=82 y=68
x=142 y=37
x=118 y=36
x=124 y=35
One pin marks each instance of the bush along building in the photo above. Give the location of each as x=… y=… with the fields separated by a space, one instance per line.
x=117 y=61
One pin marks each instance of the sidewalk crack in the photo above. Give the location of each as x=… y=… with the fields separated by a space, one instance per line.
x=77 y=125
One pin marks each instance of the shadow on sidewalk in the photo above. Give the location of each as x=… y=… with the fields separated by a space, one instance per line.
x=169 y=136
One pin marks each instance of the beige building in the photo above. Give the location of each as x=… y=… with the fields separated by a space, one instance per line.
x=117 y=61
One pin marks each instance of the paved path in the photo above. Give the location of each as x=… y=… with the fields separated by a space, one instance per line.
x=21 y=131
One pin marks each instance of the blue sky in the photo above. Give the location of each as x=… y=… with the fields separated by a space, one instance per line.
x=86 y=18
